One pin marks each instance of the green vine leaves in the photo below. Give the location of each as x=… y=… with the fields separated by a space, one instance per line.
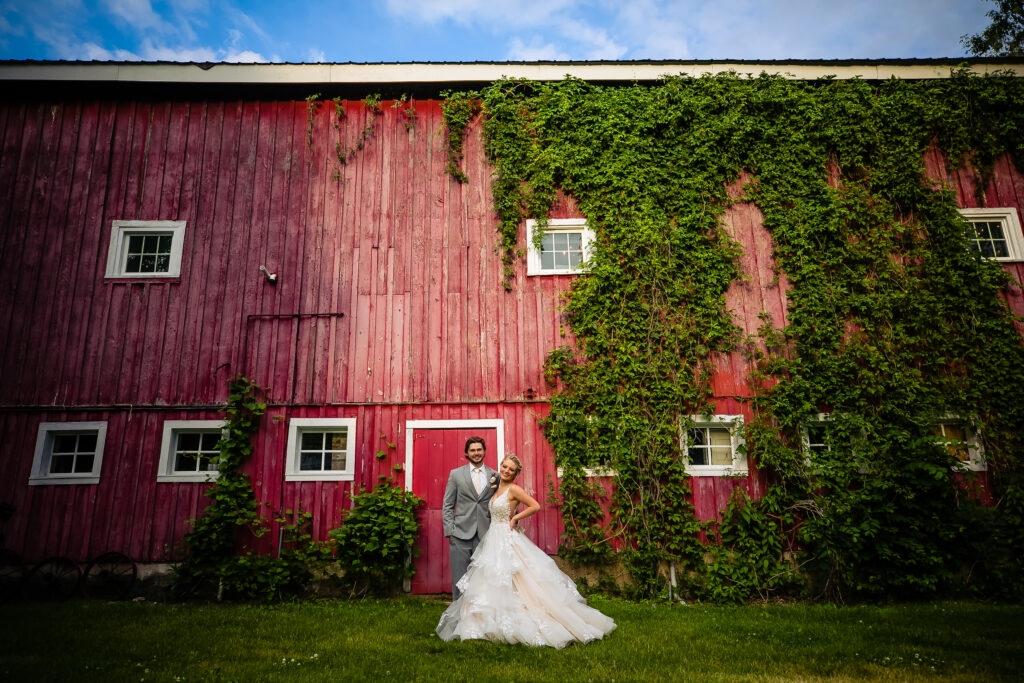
x=893 y=324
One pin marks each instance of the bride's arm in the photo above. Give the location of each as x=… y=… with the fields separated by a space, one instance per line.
x=517 y=496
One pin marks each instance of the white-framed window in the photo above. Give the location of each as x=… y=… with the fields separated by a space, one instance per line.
x=995 y=233
x=68 y=453
x=186 y=449
x=145 y=249
x=321 y=449
x=713 y=446
x=561 y=248
x=960 y=439
x=815 y=437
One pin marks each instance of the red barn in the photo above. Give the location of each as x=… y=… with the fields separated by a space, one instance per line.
x=168 y=226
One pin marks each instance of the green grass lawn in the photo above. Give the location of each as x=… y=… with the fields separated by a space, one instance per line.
x=394 y=640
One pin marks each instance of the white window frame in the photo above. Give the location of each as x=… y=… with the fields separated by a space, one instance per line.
x=41 y=475
x=734 y=423
x=1011 y=229
x=533 y=261
x=172 y=428
x=976 y=453
x=298 y=425
x=805 y=437
x=122 y=230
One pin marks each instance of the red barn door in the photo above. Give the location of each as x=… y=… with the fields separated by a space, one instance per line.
x=435 y=453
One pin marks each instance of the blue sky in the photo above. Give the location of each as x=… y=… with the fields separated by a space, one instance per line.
x=484 y=30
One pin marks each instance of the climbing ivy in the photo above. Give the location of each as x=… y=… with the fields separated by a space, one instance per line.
x=211 y=544
x=893 y=324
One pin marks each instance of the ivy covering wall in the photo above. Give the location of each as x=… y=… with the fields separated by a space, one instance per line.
x=893 y=323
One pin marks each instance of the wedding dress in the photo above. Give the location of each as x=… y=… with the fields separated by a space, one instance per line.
x=514 y=593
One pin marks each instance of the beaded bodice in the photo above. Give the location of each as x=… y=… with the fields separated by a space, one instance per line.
x=500 y=508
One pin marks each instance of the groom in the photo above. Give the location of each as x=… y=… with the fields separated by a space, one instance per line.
x=464 y=511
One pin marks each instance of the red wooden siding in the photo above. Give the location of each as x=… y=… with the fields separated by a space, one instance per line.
x=389 y=304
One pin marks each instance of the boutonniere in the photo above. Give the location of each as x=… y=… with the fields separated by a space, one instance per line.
x=494 y=481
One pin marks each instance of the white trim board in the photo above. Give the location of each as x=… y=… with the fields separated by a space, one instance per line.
x=498 y=424
x=451 y=72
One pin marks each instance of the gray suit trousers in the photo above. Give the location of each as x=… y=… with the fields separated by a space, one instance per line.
x=460 y=550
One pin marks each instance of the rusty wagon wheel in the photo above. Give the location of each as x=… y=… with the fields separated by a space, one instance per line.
x=12 y=573
x=109 y=577
x=55 y=578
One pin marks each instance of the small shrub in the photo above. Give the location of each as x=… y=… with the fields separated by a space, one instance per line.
x=377 y=540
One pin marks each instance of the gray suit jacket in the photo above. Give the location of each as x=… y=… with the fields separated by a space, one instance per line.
x=464 y=512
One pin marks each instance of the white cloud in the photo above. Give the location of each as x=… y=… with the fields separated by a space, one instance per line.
x=597 y=44
x=162 y=53
x=247 y=22
x=92 y=51
x=316 y=55
x=535 y=51
x=245 y=57
x=138 y=14
x=469 y=12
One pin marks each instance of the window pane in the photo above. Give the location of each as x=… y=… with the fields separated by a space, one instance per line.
x=312 y=440
x=1001 y=249
x=547 y=243
x=561 y=259
x=951 y=430
x=86 y=443
x=148 y=264
x=338 y=441
x=135 y=243
x=188 y=441
x=210 y=440
x=575 y=240
x=980 y=229
x=61 y=464
x=83 y=463
x=547 y=261
x=133 y=264
x=165 y=244
x=311 y=461
x=986 y=249
x=720 y=437
x=995 y=231
x=163 y=264
x=561 y=241
x=698 y=456
x=64 y=443
x=721 y=456
x=574 y=258
x=336 y=461
x=185 y=462
x=698 y=436
x=152 y=242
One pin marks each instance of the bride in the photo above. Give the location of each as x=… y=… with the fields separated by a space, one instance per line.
x=512 y=591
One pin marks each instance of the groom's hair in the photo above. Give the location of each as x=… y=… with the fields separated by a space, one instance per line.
x=475 y=439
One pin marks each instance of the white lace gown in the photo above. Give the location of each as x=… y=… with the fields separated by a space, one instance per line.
x=514 y=593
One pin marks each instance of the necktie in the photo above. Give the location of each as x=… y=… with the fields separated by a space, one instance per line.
x=478 y=478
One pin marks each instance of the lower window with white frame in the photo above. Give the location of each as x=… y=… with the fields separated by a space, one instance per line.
x=321 y=449
x=815 y=435
x=713 y=446
x=68 y=453
x=561 y=248
x=995 y=233
x=187 y=449
x=961 y=441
